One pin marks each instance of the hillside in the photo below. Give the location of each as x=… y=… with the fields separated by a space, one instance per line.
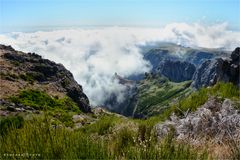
x=21 y=71
x=176 y=72
x=169 y=51
x=44 y=114
x=153 y=95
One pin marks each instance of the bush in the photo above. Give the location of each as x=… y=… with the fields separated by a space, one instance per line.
x=27 y=77
x=42 y=101
x=9 y=123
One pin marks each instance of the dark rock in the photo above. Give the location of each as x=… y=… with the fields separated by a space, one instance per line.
x=6 y=48
x=43 y=71
x=11 y=108
x=156 y=56
x=220 y=69
x=198 y=57
x=177 y=71
x=14 y=57
x=235 y=55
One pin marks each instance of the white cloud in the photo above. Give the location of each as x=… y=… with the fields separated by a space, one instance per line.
x=94 y=55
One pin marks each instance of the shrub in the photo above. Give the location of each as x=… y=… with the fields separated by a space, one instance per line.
x=65 y=83
x=27 y=77
x=9 y=123
x=42 y=101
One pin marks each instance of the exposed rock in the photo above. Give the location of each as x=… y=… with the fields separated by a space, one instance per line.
x=173 y=52
x=217 y=120
x=177 y=71
x=156 y=56
x=198 y=57
x=235 y=55
x=32 y=70
x=220 y=69
x=124 y=81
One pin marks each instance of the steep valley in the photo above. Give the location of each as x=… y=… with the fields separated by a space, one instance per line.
x=44 y=113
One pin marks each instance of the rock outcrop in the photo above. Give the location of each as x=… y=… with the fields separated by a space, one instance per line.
x=21 y=71
x=177 y=71
x=157 y=56
x=198 y=57
x=215 y=120
x=168 y=51
x=220 y=69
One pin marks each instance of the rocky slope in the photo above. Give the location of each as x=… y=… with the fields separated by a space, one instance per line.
x=177 y=71
x=149 y=96
x=215 y=123
x=201 y=127
x=219 y=69
x=152 y=93
x=214 y=118
x=21 y=71
x=164 y=55
x=169 y=51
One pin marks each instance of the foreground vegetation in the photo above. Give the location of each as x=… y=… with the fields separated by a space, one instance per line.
x=50 y=134
x=102 y=140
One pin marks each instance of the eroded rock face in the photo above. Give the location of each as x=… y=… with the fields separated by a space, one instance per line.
x=220 y=69
x=156 y=56
x=19 y=67
x=217 y=120
x=177 y=71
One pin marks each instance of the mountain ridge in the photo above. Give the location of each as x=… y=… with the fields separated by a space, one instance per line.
x=21 y=70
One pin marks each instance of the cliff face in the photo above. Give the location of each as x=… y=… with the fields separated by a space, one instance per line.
x=158 y=55
x=179 y=63
x=177 y=71
x=220 y=69
x=30 y=71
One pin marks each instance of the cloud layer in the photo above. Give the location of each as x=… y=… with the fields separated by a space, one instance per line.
x=94 y=55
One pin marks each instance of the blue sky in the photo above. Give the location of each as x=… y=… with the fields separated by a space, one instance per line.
x=18 y=15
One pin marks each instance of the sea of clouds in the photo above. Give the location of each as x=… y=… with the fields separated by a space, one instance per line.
x=94 y=55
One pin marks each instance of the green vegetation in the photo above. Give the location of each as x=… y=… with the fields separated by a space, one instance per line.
x=65 y=82
x=103 y=125
x=7 y=123
x=16 y=63
x=198 y=98
x=61 y=110
x=37 y=136
x=157 y=93
x=107 y=136
x=9 y=76
x=29 y=77
x=225 y=90
x=42 y=101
